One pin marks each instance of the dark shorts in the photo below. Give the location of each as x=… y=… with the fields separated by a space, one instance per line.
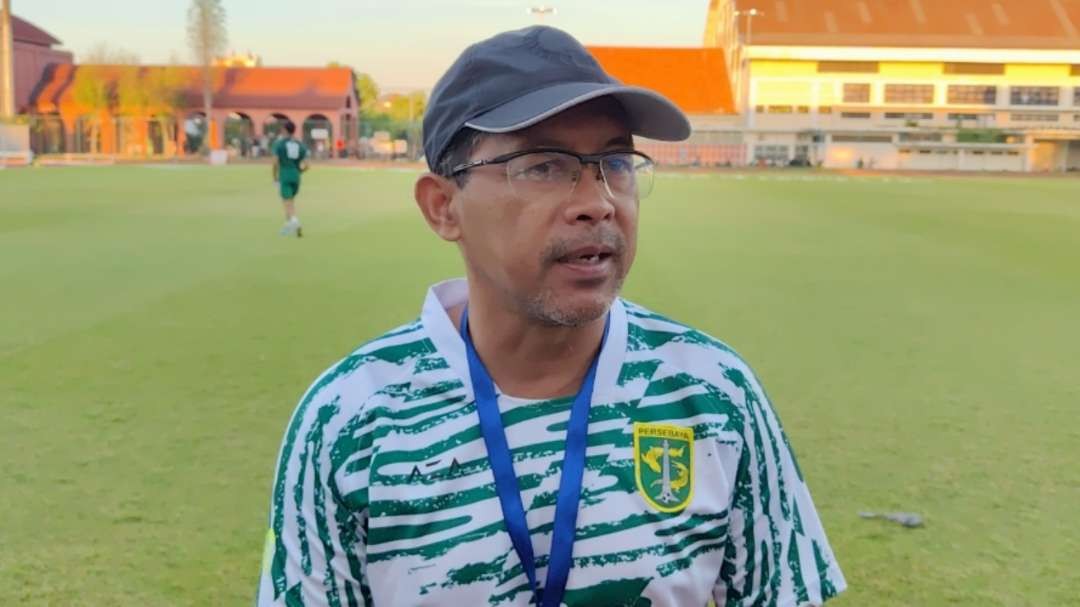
x=289 y=189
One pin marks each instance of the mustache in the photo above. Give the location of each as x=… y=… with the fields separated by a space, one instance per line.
x=604 y=236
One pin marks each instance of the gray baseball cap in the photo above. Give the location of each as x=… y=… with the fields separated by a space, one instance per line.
x=517 y=79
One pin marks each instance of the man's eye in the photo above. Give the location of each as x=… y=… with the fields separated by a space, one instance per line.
x=541 y=170
x=619 y=164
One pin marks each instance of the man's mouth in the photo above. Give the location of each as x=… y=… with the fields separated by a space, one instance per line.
x=588 y=255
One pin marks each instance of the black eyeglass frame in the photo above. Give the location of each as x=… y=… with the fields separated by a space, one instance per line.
x=583 y=160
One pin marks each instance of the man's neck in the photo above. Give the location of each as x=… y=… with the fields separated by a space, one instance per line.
x=526 y=358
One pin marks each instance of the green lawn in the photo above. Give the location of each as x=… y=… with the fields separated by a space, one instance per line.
x=920 y=338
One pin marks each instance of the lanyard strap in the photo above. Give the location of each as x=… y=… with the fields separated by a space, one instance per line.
x=506 y=482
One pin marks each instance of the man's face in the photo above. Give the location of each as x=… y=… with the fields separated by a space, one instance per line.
x=561 y=261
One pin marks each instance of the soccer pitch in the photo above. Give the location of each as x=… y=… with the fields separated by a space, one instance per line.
x=919 y=337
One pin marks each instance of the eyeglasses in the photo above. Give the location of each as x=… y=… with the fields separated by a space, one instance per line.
x=550 y=174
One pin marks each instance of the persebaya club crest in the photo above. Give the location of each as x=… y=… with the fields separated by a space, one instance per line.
x=664 y=465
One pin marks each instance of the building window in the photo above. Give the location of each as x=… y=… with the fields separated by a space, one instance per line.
x=1076 y=96
x=778 y=109
x=909 y=116
x=974 y=68
x=929 y=137
x=859 y=115
x=759 y=109
x=1034 y=117
x=803 y=109
x=1075 y=71
x=772 y=154
x=909 y=93
x=848 y=67
x=862 y=138
x=824 y=109
x=856 y=92
x=965 y=94
x=1034 y=95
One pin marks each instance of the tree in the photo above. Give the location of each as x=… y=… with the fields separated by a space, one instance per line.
x=104 y=54
x=95 y=88
x=164 y=92
x=406 y=108
x=92 y=92
x=148 y=95
x=207 y=38
x=368 y=93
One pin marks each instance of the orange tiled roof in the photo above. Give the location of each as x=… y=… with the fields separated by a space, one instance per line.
x=696 y=79
x=255 y=88
x=1018 y=24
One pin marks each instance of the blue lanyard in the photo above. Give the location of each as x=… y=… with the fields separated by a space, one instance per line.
x=506 y=482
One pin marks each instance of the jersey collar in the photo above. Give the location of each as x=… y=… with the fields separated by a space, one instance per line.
x=440 y=328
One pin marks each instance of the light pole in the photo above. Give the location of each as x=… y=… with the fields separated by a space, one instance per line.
x=745 y=52
x=412 y=125
x=7 y=64
x=749 y=14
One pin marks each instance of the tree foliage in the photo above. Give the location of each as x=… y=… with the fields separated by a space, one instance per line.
x=368 y=93
x=206 y=31
x=207 y=37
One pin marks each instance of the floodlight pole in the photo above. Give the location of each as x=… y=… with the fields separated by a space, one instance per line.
x=7 y=64
x=412 y=127
x=749 y=14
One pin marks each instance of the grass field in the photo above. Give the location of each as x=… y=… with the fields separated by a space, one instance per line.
x=920 y=338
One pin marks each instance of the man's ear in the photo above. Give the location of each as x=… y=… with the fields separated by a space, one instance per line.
x=435 y=196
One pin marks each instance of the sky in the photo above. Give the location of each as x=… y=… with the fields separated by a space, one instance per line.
x=403 y=44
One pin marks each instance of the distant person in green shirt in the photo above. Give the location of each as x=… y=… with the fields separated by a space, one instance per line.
x=290 y=159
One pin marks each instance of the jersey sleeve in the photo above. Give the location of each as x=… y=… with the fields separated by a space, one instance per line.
x=777 y=552
x=315 y=546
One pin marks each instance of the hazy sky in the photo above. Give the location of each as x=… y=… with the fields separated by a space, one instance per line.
x=399 y=42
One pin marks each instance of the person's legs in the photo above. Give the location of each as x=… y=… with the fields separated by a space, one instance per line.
x=288 y=203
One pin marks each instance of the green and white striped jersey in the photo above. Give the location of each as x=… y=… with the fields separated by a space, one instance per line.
x=383 y=494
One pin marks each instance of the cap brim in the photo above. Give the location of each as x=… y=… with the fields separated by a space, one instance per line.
x=651 y=114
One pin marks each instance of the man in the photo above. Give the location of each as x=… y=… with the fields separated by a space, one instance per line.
x=532 y=438
x=290 y=159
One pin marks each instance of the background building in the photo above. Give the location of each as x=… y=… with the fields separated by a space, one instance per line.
x=158 y=110
x=34 y=50
x=696 y=79
x=234 y=59
x=989 y=85
x=165 y=114
x=912 y=84
x=885 y=84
